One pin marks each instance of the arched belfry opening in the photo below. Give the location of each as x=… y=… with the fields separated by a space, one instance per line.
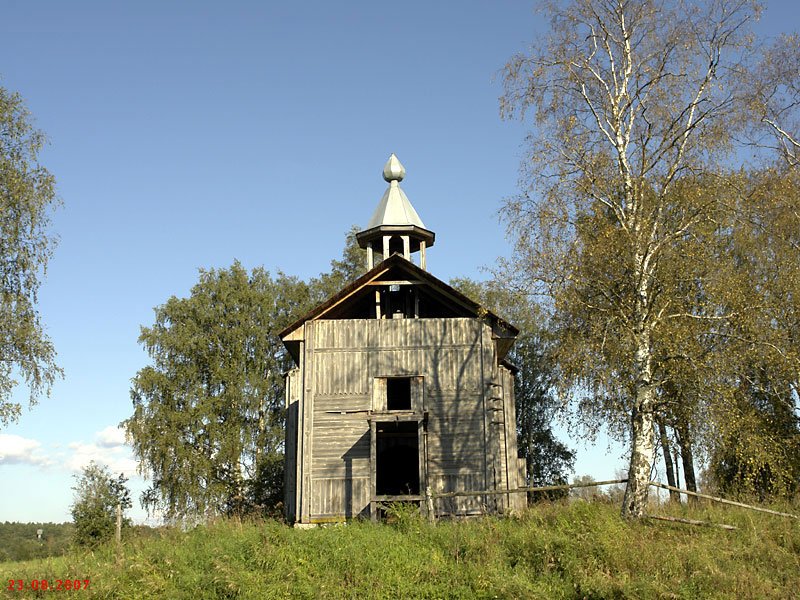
x=395 y=227
x=397 y=246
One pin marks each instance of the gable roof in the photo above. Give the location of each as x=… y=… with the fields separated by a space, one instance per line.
x=396 y=264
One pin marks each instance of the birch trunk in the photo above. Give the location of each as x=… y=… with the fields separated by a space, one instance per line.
x=642 y=449
x=634 y=503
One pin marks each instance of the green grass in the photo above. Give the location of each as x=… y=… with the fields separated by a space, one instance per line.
x=577 y=550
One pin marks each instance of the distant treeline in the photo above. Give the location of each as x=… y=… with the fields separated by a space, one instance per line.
x=19 y=541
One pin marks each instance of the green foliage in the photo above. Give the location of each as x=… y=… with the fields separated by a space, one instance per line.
x=405 y=515
x=94 y=510
x=27 y=195
x=264 y=491
x=758 y=450
x=343 y=271
x=577 y=550
x=208 y=419
x=773 y=92
x=748 y=368
x=549 y=460
x=19 y=541
x=208 y=413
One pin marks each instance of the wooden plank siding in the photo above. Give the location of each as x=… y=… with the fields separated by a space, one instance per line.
x=459 y=393
x=305 y=448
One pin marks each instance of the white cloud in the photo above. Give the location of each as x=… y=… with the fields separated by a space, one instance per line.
x=108 y=449
x=110 y=437
x=17 y=450
x=118 y=459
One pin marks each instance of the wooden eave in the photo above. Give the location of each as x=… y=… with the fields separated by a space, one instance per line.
x=417 y=233
x=510 y=366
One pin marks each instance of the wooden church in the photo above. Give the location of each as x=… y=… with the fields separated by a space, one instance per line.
x=401 y=390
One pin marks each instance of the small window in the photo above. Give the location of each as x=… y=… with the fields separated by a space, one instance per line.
x=398 y=393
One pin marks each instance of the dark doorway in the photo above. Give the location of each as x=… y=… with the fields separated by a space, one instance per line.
x=397 y=450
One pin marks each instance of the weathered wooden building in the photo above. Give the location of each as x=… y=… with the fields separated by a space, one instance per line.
x=400 y=387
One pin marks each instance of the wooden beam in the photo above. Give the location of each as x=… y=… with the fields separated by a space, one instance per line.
x=298 y=335
x=691 y=522
x=722 y=500
x=397 y=282
x=373 y=480
x=343 y=298
x=397 y=498
x=545 y=488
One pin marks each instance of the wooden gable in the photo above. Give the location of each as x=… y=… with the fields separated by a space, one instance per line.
x=433 y=299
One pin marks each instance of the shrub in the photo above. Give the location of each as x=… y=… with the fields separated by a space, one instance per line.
x=94 y=511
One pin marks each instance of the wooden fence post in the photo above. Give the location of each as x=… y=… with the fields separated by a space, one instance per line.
x=119 y=524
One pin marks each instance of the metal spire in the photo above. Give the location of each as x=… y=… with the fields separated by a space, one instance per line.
x=394 y=207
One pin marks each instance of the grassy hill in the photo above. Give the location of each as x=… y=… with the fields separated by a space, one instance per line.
x=576 y=550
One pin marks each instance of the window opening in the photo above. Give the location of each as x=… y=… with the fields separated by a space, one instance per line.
x=398 y=393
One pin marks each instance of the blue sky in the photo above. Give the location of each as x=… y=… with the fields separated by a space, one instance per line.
x=186 y=135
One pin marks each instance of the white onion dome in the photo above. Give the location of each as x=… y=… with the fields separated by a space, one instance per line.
x=393 y=170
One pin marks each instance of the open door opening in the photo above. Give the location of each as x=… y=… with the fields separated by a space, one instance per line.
x=397 y=454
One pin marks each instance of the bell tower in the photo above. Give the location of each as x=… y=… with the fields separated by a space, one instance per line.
x=401 y=390
x=395 y=227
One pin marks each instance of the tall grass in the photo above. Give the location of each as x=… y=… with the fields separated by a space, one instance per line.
x=576 y=550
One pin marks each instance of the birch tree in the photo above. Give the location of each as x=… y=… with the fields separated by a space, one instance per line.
x=755 y=448
x=94 y=509
x=628 y=97
x=27 y=197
